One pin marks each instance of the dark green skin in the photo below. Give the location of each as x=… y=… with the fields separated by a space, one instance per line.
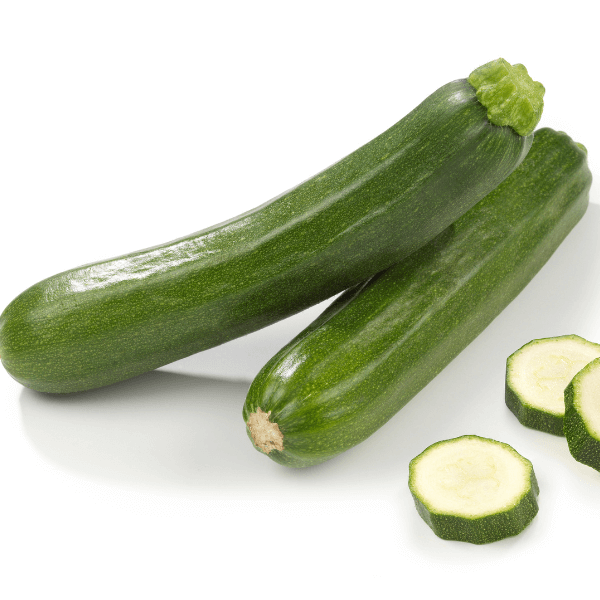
x=583 y=446
x=111 y=320
x=532 y=417
x=484 y=530
x=378 y=344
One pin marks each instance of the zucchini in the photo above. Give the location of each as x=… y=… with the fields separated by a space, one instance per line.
x=473 y=489
x=382 y=341
x=582 y=415
x=114 y=319
x=537 y=375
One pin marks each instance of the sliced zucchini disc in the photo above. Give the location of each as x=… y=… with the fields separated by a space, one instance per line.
x=473 y=489
x=537 y=375
x=582 y=415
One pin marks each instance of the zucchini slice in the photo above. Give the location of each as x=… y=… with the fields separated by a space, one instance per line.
x=473 y=489
x=381 y=342
x=537 y=375
x=582 y=415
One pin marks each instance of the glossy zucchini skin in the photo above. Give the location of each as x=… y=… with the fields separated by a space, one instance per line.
x=381 y=342
x=111 y=320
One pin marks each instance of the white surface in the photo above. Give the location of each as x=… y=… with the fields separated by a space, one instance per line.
x=124 y=124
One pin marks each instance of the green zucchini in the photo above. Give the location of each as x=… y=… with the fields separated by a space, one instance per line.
x=582 y=415
x=537 y=375
x=114 y=319
x=473 y=489
x=381 y=342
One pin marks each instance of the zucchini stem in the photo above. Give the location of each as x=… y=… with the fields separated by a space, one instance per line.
x=510 y=95
x=265 y=435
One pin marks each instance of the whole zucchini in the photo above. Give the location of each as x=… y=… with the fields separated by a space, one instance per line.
x=381 y=342
x=110 y=320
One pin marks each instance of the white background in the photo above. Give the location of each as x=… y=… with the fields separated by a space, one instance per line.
x=124 y=124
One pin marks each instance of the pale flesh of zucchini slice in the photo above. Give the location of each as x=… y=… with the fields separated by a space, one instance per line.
x=537 y=375
x=582 y=415
x=473 y=489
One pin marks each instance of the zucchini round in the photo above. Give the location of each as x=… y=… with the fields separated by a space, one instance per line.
x=582 y=415
x=114 y=319
x=537 y=375
x=381 y=342
x=473 y=489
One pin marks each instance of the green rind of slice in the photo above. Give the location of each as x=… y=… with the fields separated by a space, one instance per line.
x=584 y=443
x=532 y=417
x=485 y=529
x=529 y=412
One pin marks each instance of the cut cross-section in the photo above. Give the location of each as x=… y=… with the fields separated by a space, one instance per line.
x=537 y=375
x=582 y=415
x=473 y=489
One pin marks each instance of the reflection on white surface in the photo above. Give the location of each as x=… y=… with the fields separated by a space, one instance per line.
x=162 y=428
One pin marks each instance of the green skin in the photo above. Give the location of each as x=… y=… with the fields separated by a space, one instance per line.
x=378 y=344
x=583 y=446
x=533 y=417
x=485 y=529
x=111 y=320
x=528 y=415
